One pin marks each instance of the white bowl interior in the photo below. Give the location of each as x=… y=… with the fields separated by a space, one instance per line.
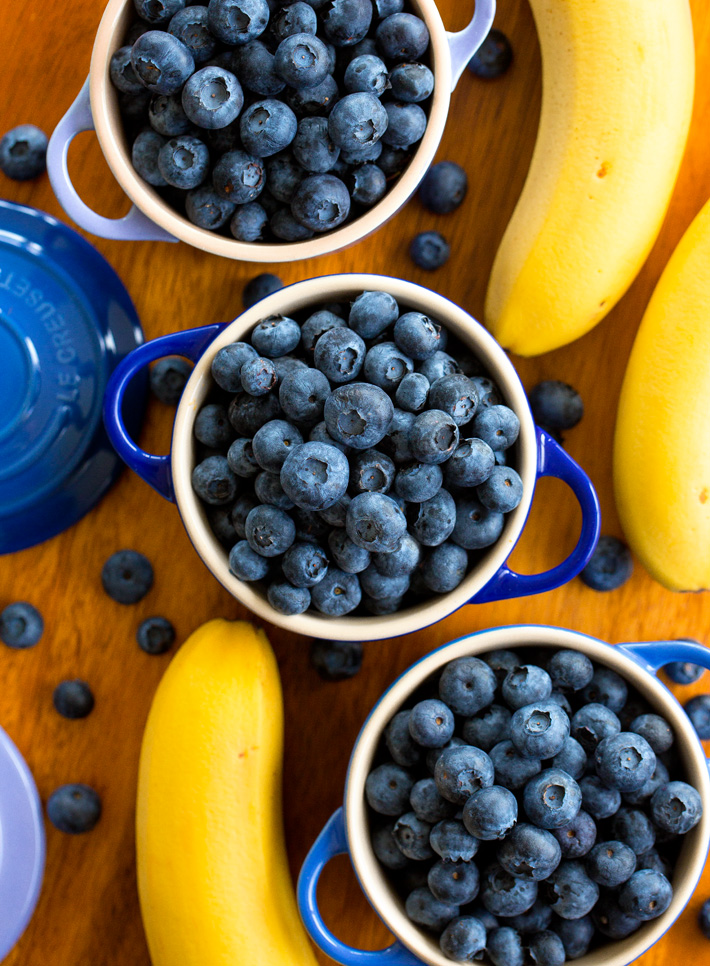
x=109 y=129
x=291 y=300
x=373 y=877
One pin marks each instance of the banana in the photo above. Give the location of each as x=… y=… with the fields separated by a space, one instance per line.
x=213 y=878
x=617 y=95
x=661 y=444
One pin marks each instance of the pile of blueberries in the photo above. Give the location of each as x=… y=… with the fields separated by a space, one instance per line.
x=269 y=119
x=527 y=808
x=351 y=460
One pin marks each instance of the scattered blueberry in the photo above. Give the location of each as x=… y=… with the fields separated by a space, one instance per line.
x=493 y=57
x=73 y=699
x=74 y=809
x=23 y=152
x=155 y=635
x=336 y=660
x=258 y=288
x=698 y=710
x=429 y=250
x=127 y=576
x=609 y=567
x=21 y=625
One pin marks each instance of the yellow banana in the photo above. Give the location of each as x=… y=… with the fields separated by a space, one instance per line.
x=213 y=878
x=617 y=95
x=662 y=446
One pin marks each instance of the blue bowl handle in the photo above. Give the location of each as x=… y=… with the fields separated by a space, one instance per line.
x=552 y=460
x=464 y=43
x=135 y=226
x=154 y=469
x=332 y=841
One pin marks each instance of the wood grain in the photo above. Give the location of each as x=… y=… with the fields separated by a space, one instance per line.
x=88 y=912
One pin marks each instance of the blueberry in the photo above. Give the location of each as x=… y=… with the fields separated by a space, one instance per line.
x=444 y=568
x=488 y=727
x=412 y=392
x=433 y=520
x=310 y=101
x=312 y=147
x=504 y=894
x=501 y=662
x=609 y=567
x=227 y=365
x=134 y=108
x=337 y=661
x=431 y=723
x=454 y=882
x=155 y=635
x=552 y=799
x=372 y=313
x=339 y=354
x=211 y=427
x=525 y=684
x=570 y=669
x=698 y=710
x=571 y=758
x=490 y=813
x=267 y=127
x=385 y=366
x=302 y=395
x=445 y=184
x=455 y=395
x=246 y=564
x=497 y=425
x=396 y=442
x=254 y=66
x=268 y=489
x=240 y=458
x=358 y=414
x=212 y=98
x=402 y=37
x=577 y=838
x=256 y=289
x=371 y=472
x=310 y=527
x=285 y=227
x=315 y=475
x=258 y=376
x=428 y=804
x=576 y=935
x=535 y=920
x=493 y=57
x=451 y=842
x=398 y=739
x=184 y=161
x=704 y=918
x=287 y=599
x=366 y=74
x=393 y=160
x=269 y=531
x=406 y=124
x=434 y=436
x=74 y=809
x=610 y=863
x=144 y=155
x=337 y=594
x=429 y=249
x=317 y=325
x=592 y=723
x=555 y=405
x=539 y=729
x=505 y=947
x=488 y=393
x=157 y=11
x=464 y=939
x=413 y=83
x=547 y=949
x=127 y=576
x=412 y=836
x=302 y=60
x=418 y=482
x=529 y=852
x=346 y=554
x=610 y=919
x=240 y=511
x=321 y=202
x=401 y=561
x=296 y=18
x=273 y=443
x=683 y=672
x=357 y=120
x=167 y=117
x=387 y=789
x=467 y=685
x=275 y=336
x=346 y=22
x=375 y=522
x=21 y=624
x=476 y=526
x=73 y=699
x=502 y=490
x=190 y=26
x=304 y=564
x=462 y=770
x=320 y=434
x=511 y=769
x=123 y=78
x=387 y=850
x=676 y=807
x=598 y=799
x=214 y=482
x=237 y=21
x=646 y=895
x=571 y=893
x=652 y=860
x=239 y=177
x=206 y=209
x=367 y=184
x=423 y=909
x=655 y=729
x=161 y=62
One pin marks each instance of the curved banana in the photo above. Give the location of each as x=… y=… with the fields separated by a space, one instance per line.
x=662 y=444
x=617 y=95
x=213 y=878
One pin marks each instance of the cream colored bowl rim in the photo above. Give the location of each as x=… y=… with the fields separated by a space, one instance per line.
x=372 y=876
x=292 y=299
x=104 y=109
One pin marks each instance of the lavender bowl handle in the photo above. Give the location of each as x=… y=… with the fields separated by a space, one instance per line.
x=465 y=43
x=135 y=226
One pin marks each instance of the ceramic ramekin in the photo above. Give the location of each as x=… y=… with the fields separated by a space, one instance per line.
x=347 y=831
x=536 y=455
x=152 y=218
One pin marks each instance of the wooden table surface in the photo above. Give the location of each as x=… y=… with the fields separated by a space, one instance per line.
x=88 y=913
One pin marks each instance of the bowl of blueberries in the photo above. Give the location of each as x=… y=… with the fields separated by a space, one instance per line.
x=354 y=458
x=264 y=130
x=524 y=794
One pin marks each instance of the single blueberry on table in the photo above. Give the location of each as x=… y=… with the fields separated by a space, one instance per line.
x=387 y=789
x=556 y=405
x=184 y=161
x=462 y=770
x=453 y=881
x=429 y=250
x=269 y=531
x=412 y=836
x=704 y=918
x=161 y=62
x=609 y=567
x=337 y=660
x=505 y=947
x=127 y=576
x=315 y=475
x=387 y=850
x=302 y=60
x=445 y=184
x=676 y=807
x=571 y=758
x=337 y=594
x=372 y=313
x=570 y=892
x=451 y=842
x=246 y=564
x=212 y=427
x=493 y=57
x=464 y=939
x=73 y=699
x=256 y=289
x=597 y=798
x=287 y=599
x=402 y=37
x=490 y=813
x=610 y=863
x=552 y=799
x=431 y=723
x=206 y=209
x=539 y=730
x=504 y=894
x=214 y=482
x=155 y=635
x=646 y=895
x=529 y=852
x=698 y=710
x=304 y=564
x=236 y=22
x=570 y=669
x=423 y=909
x=144 y=155
x=74 y=809
x=21 y=625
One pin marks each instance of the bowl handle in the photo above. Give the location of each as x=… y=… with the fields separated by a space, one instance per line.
x=464 y=44
x=154 y=469
x=332 y=841
x=135 y=226
x=552 y=460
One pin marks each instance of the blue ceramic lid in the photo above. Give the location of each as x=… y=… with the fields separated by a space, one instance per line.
x=22 y=845
x=66 y=320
